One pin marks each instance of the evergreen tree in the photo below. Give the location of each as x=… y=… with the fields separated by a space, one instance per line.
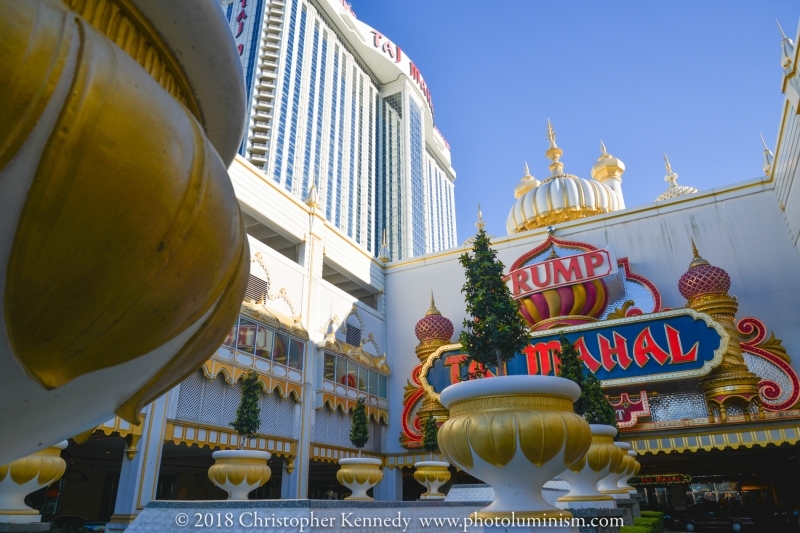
x=430 y=432
x=248 y=414
x=359 y=427
x=496 y=331
x=592 y=405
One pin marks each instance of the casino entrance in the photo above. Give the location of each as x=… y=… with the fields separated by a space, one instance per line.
x=744 y=479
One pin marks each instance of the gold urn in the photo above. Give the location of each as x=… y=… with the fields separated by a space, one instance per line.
x=515 y=433
x=432 y=475
x=359 y=474
x=583 y=476
x=23 y=476
x=238 y=472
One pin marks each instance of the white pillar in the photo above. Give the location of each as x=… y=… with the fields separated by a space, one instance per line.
x=138 y=480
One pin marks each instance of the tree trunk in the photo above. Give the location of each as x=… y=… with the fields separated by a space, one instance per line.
x=501 y=370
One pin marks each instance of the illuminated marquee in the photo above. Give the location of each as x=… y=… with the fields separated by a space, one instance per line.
x=657 y=347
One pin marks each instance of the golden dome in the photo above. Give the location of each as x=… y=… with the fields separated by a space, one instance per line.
x=525 y=184
x=561 y=197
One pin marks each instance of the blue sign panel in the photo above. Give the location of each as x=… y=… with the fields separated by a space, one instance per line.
x=656 y=347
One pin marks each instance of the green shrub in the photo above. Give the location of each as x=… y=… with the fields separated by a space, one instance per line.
x=652 y=524
x=655 y=514
x=634 y=529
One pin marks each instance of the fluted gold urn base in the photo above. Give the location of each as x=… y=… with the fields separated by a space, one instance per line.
x=432 y=475
x=359 y=474
x=23 y=476
x=238 y=472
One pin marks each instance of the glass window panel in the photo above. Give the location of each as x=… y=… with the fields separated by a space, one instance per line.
x=246 y=339
x=230 y=340
x=263 y=342
x=352 y=375
x=363 y=378
x=329 y=367
x=296 y=354
x=280 y=349
x=383 y=386
x=341 y=371
x=373 y=383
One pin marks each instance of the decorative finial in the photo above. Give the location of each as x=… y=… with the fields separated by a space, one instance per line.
x=551 y=134
x=603 y=151
x=527 y=171
x=787 y=49
x=553 y=253
x=312 y=199
x=671 y=176
x=480 y=224
x=768 y=157
x=554 y=152
x=383 y=254
x=525 y=184
x=432 y=310
x=697 y=260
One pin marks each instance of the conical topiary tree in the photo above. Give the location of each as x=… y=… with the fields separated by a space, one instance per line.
x=592 y=405
x=248 y=414
x=496 y=331
x=430 y=433
x=359 y=426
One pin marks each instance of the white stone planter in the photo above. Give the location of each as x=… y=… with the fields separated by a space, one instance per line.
x=609 y=484
x=432 y=475
x=601 y=459
x=238 y=472
x=623 y=481
x=359 y=474
x=515 y=433
x=23 y=476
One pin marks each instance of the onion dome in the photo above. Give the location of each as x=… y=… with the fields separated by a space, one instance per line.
x=607 y=166
x=527 y=183
x=703 y=278
x=573 y=304
x=559 y=198
x=433 y=326
x=674 y=189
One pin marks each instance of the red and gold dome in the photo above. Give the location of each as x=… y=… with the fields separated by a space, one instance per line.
x=703 y=278
x=433 y=326
x=571 y=305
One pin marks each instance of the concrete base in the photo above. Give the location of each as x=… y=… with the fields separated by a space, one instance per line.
x=30 y=526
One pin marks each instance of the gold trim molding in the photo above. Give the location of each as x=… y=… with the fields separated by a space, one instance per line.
x=332 y=454
x=203 y=435
x=719 y=440
x=357 y=354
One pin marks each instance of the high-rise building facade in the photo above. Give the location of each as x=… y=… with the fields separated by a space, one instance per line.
x=334 y=104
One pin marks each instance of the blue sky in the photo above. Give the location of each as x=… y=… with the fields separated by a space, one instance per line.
x=698 y=80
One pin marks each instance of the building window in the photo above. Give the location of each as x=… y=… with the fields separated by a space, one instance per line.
x=342 y=371
x=262 y=341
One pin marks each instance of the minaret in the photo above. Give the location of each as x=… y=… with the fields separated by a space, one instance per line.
x=609 y=169
x=731 y=382
x=768 y=157
x=433 y=331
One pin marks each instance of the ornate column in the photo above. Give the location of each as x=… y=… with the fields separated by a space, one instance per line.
x=731 y=382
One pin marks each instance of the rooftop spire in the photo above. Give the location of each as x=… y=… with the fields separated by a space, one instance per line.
x=674 y=190
x=603 y=150
x=480 y=224
x=671 y=176
x=432 y=310
x=383 y=254
x=554 y=152
x=768 y=157
x=787 y=49
x=697 y=260
x=527 y=171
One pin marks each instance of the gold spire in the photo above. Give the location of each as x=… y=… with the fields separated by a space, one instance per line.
x=312 y=199
x=432 y=310
x=787 y=49
x=554 y=152
x=607 y=166
x=671 y=176
x=480 y=224
x=525 y=184
x=674 y=190
x=768 y=157
x=697 y=260
x=383 y=254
